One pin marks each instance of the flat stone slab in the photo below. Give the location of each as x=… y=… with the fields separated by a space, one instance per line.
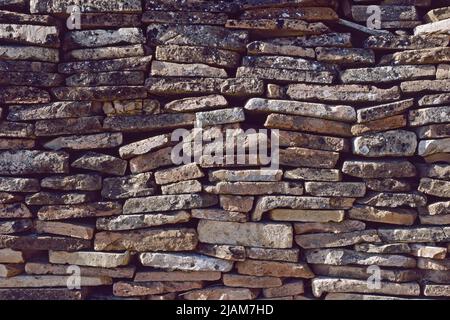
x=268 y=235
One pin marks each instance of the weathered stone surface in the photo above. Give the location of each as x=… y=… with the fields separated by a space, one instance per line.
x=87 y=79
x=221 y=215
x=429 y=147
x=60 y=6
x=298 y=157
x=42 y=294
x=424 y=116
x=279 y=27
x=80 y=182
x=102 y=93
x=29 y=53
x=439 y=27
x=139 y=221
x=299 y=123
x=101 y=162
x=390 y=216
x=91 y=259
x=389 y=143
x=435 y=290
x=425 y=251
x=151 y=160
x=46 y=36
x=282 y=75
x=60 y=269
x=289 y=255
x=52 y=198
x=388 y=13
x=10 y=270
x=387 y=74
x=336 y=189
x=16 y=210
x=333 y=227
x=16 y=144
x=100 y=38
x=40 y=79
x=194 y=54
x=80 y=231
x=16 y=130
x=267 y=203
x=345 y=56
x=221 y=116
x=443 y=71
x=15 y=226
x=434 y=131
x=96 y=66
x=226 y=252
x=288 y=289
x=422 y=56
x=274 y=269
x=330 y=240
x=11 y=256
x=177 y=276
x=128 y=186
x=97 y=209
x=391 y=248
x=131 y=289
x=433 y=264
x=19 y=184
x=33 y=242
x=383 y=111
x=188 y=186
x=171 y=69
x=148 y=122
x=236 y=280
x=116 y=52
x=434 y=99
x=54 y=110
x=49 y=281
x=184 y=261
x=345 y=93
x=185 y=172
x=393 y=200
x=425 y=86
x=316 y=110
x=298 y=46
x=56 y=127
x=405 y=42
x=313 y=174
x=220 y=293
x=342 y=257
x=434 y=234
x=197 y=35
x=144 y=146
x=245 y=175
x=434 y=187
x=439 y=208
x=240 y=87
x=196 y=104
x=88 y=142
x=321 y=285
x=23 y=162
x=168 y=203
x=147 y=240
x=385 y=124
x=379 y=169
x=246 y=234
x=256 y=188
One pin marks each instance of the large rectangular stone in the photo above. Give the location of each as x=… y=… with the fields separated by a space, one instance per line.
x=268 y=235
x=60 y=6
x=184 y=262
x=22 y=162
x=182 y=239
x=169 y=203
x=90 y=259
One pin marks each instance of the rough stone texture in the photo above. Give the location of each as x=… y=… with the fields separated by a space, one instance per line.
x=107 y=132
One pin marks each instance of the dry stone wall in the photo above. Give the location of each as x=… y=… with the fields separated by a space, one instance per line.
x=91 y=91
